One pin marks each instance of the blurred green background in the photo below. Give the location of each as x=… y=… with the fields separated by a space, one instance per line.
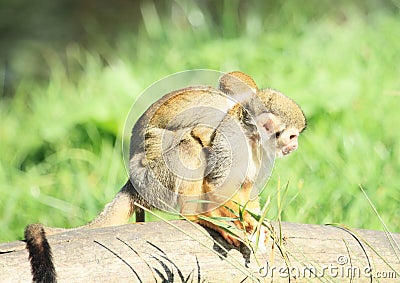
x=70 y=71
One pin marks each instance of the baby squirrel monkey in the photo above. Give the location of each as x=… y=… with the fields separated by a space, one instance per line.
x=196 y=141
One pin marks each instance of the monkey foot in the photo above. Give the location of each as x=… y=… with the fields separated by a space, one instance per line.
x=249 y=233
x=231 y=239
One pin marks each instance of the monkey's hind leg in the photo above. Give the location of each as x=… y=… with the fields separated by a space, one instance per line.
x=119 y=210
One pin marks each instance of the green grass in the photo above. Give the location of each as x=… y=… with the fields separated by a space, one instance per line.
x=60 y=154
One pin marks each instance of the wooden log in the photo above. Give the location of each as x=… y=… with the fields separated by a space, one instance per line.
x=179 y=251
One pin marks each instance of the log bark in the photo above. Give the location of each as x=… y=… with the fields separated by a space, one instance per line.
x=179 y=251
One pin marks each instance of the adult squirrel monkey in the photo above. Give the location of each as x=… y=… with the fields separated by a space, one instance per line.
x=198 y=151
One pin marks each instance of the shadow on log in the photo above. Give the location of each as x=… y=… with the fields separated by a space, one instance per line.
x=162 y=252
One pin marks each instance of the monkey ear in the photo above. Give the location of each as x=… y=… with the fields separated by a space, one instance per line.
x=270 y=122
x=269 y=126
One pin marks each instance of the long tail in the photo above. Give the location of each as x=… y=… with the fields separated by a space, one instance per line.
x=117 y=212
x=40 y=254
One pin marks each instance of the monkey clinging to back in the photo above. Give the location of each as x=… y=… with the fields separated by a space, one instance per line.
x=198 y=151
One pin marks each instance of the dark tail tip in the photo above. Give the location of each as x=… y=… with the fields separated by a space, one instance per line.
x=40 y=255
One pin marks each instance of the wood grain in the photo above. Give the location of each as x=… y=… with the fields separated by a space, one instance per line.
x=180 y=251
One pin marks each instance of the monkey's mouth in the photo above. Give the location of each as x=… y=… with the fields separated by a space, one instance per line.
x=288 y=149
